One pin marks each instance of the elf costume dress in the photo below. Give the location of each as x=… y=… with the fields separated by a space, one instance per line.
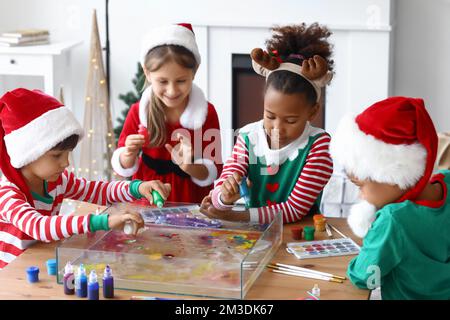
x=290 y=179
x=406 y=245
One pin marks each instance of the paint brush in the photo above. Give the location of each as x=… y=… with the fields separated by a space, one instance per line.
x=327 y=228
x=334 y=228
x=296 y=268
x=304 y=275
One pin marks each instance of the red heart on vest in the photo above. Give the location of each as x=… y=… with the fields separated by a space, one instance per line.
x=271 y=203
x=272 y=187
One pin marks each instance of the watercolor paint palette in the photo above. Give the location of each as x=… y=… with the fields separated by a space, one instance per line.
x=323 y=248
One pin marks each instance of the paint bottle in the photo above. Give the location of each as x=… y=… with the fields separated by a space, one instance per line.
x=81 y=282
x=68 y=279
x=157 y=199
x=316 y=290
x=130 y=227
x=243 y=190
x=296 y=233
x=33 y=274
x=93 y=286
x=108 y=283
x=308 y=233
x=143 y=131
x=319 y=222
x=51 y=267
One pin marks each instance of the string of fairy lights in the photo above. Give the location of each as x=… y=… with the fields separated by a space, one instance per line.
x=95 y=166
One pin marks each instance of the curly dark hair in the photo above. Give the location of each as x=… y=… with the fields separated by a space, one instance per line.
x=303 y=40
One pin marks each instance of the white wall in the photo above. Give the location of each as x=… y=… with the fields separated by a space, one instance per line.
x=130 y=19
x=222 y=18
x=422 y=55
x=66 y=20
x=421 y=44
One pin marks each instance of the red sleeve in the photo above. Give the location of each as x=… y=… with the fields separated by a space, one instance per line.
x=17 y=211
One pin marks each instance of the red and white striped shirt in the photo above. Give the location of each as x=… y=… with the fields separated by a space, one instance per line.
x=21 y=224
x=311 y=181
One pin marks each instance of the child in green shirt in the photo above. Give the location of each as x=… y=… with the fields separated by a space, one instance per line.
x=389 y=151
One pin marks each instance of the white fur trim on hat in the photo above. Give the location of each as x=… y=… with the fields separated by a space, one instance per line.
x=212 y=172
x=117 y=166
x=193 y=117
x=33 y=140
x=368 y=158
x=169 y=35
x=361 y=217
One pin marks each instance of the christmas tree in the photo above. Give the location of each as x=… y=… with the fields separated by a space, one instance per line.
x=130 y=98
x=98 y=145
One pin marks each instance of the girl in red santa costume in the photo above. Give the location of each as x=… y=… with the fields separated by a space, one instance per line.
x=172 y=134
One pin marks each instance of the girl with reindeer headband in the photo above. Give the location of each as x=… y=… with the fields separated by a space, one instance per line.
x=284 y=159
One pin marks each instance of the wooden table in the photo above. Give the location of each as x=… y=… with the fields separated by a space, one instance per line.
x=270 y=286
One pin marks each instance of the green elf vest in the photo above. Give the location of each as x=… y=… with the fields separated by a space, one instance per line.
x=274 y=173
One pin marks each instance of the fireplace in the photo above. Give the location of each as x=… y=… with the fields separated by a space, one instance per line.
x=248 y=91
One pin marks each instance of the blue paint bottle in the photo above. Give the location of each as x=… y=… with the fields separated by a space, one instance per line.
x=243 y=191
x=33 y=274
x=93 y=286
x=81 y=282
x=68 y=279
x=108 y=283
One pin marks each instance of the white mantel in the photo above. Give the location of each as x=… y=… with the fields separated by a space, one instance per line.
x=362 y=50
x=361 y=54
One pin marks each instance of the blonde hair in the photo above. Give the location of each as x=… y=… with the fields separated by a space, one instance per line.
x=156 y=118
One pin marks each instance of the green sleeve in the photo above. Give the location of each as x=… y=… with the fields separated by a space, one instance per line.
x=381 y=252
x=134 y=188
x=98 y=222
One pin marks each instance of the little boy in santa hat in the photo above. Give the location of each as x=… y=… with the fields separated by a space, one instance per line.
x=389 y=151
x=37 y=133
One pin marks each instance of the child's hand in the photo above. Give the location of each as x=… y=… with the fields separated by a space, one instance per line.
x=182 y=152
x=230 y=189
x=134 y=143
x=146 y=188
x=117 y=221
x=206 y=201
x=143 y=131
x=229 y=215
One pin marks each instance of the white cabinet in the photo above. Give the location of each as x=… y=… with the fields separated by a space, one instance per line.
x=51 y=61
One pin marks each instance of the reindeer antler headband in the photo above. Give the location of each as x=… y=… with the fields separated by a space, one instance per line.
x=314 y=70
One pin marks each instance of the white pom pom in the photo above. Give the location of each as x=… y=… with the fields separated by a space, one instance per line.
x=361 y=217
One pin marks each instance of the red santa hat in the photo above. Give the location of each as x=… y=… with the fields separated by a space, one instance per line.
x=32 y=123
x=393 y=141
x=180 y=34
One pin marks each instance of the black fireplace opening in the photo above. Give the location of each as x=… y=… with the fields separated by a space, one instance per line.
x=248 y=94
